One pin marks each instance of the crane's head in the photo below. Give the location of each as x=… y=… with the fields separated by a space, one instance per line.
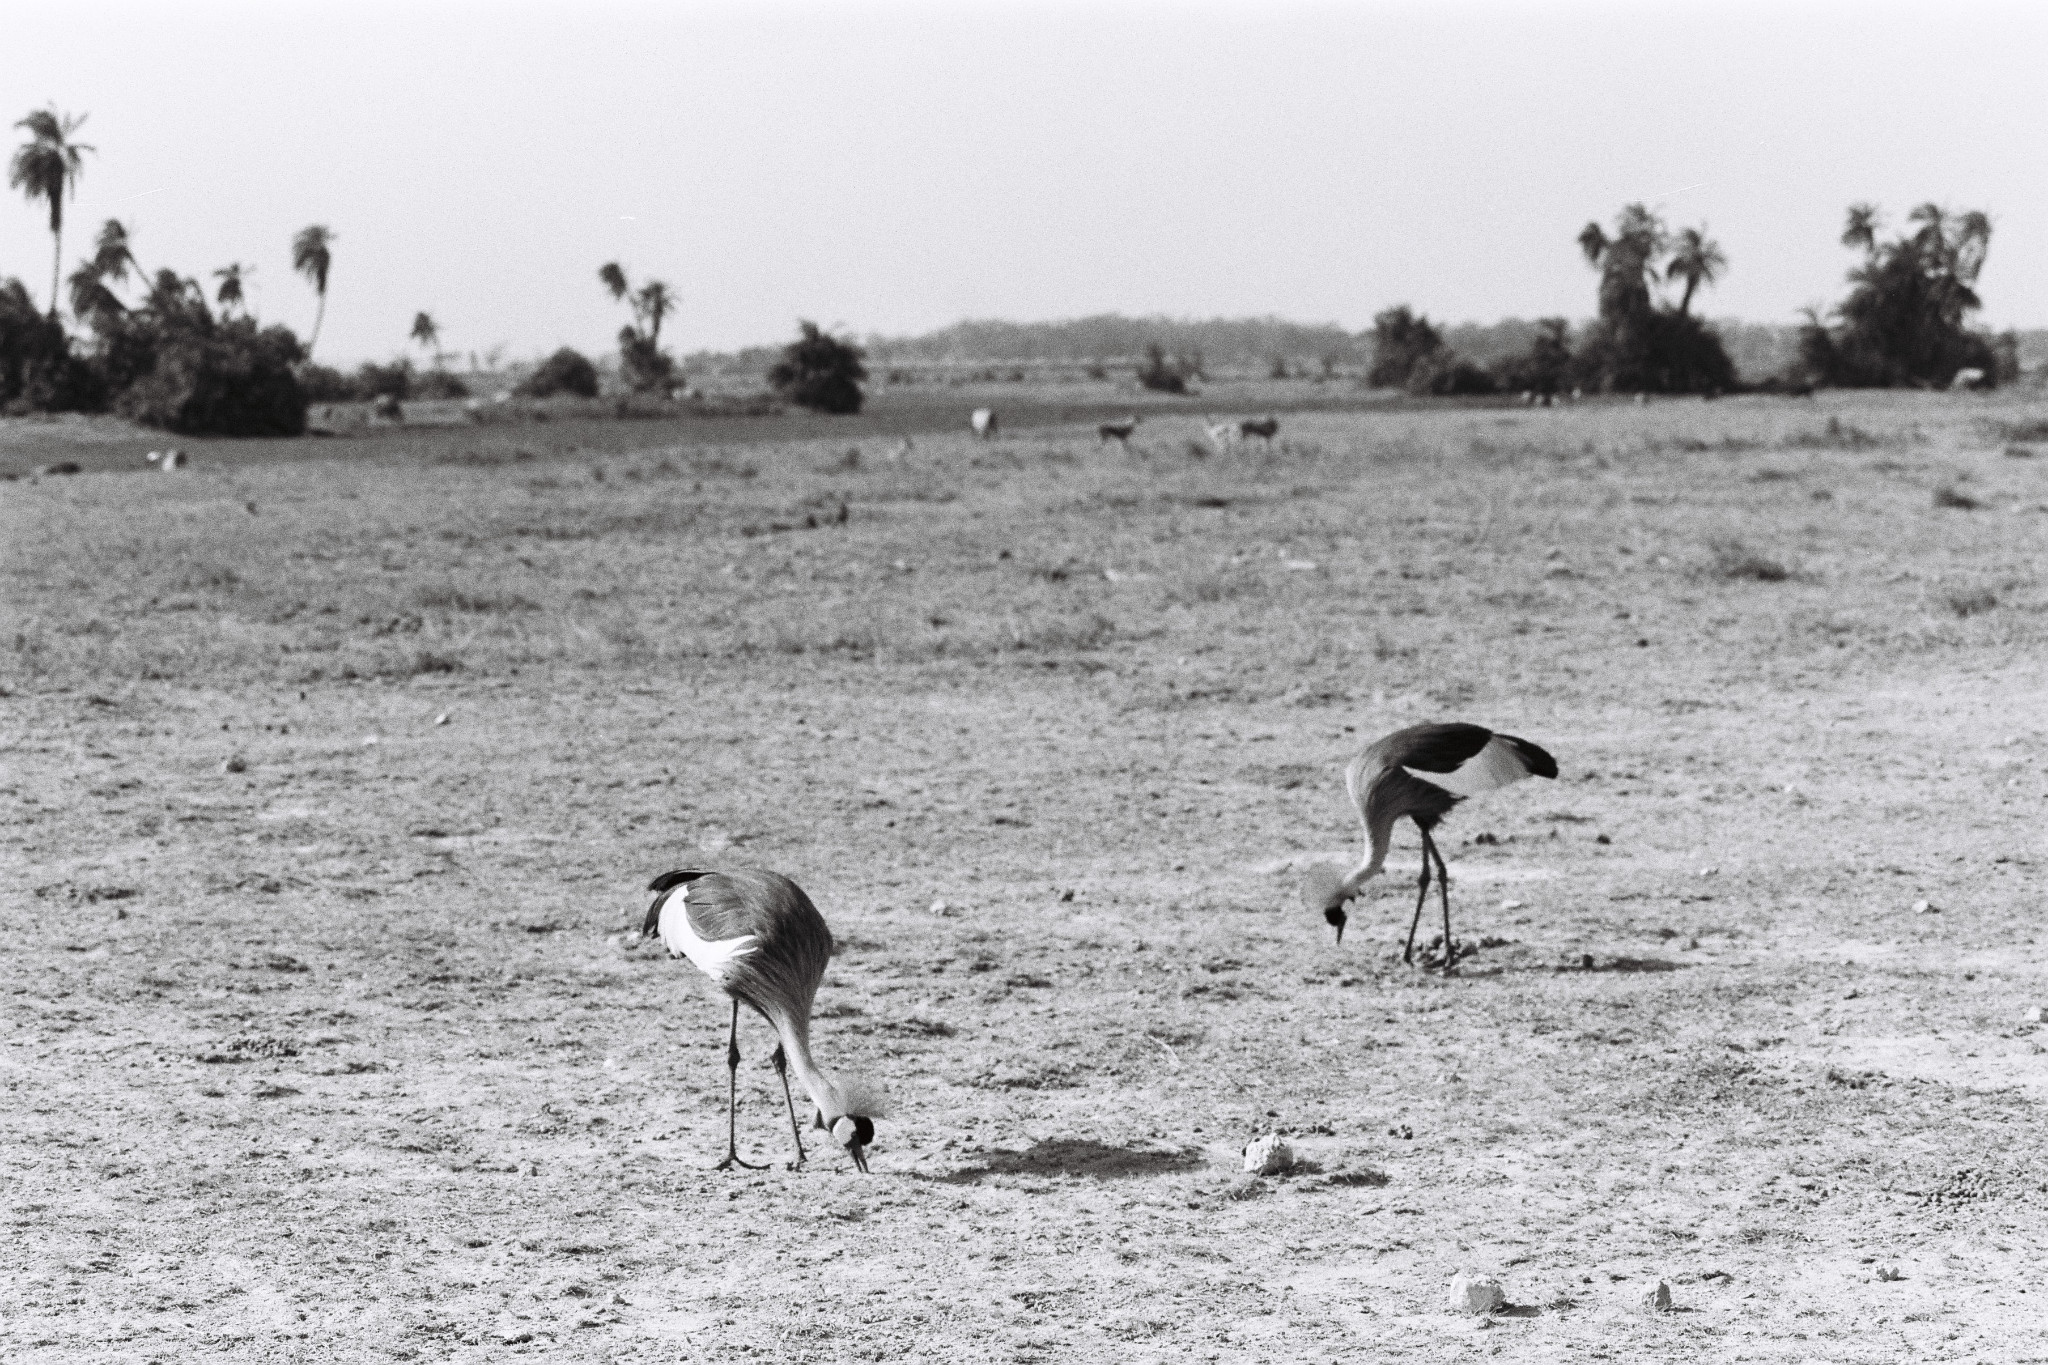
x=848 y=1112
x=1324 y=887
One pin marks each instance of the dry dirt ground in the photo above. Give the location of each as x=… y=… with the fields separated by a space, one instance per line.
x=323 y=1039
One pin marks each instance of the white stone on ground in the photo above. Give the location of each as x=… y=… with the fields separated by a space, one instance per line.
x=1268 y=1154
x=1476 y=1294
x=1657 y=1297
x=2037 y=1015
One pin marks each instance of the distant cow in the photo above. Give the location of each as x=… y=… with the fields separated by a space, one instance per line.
x=1970 y=379
x=167 y=460
x=1119 y=432
x=1265 y=428
x=984 y=423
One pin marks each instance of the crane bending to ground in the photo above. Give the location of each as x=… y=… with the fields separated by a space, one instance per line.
x=759 y=937
x=1420 y=773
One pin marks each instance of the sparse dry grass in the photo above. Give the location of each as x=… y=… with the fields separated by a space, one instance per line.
x=320 y=1037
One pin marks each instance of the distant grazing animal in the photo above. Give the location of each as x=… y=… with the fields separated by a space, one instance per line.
x=1117 y=431
x=1223 y=434
x=759 y=937
x=1420 y=773
x=386 y=406
x=1528 y=398
x=167 y=460
x=1577 y=394
x=1642 y=400
x=1265 y=428
x=984 y=423
x=1970 y=379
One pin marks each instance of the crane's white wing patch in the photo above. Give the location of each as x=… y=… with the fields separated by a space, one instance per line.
x=713 y=957
x=1495 y=765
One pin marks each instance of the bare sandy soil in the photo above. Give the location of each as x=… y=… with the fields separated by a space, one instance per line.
x=323 y=1038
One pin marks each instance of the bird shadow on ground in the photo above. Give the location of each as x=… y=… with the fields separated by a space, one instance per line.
x=1077 y=1156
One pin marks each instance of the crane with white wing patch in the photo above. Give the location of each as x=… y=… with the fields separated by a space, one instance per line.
x=1420 y=774
x=757 y=935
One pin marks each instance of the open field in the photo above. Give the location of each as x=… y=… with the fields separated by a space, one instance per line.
x=323 y=1038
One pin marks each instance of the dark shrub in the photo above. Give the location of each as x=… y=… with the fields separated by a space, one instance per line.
x=325 y=384
x=644 y=366
x=438 y=384
x=566 y=371
x=1545 y=367
x=38 y=372
x=1445 y=375
x=1158 y=376
x=232 y=380
x=1400 y=342
x=394 y=380
x=1655 y=351
x=820 y=372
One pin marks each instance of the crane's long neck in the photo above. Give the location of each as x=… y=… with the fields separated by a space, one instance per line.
x=1375 y=857
x=795 y=1034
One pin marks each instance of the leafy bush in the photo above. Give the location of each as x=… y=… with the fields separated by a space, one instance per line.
x=325 y=384
x=231 y=380
x=566 y=371
x=1658 y=351
x=38 y=372
x=1158 y=376
x=1400 y=342
x=1902 y=324
x=1546 y=367
x=438 y=384
x=394 y=380
x=1444 y=374
x=644 y=366
x=820 y=372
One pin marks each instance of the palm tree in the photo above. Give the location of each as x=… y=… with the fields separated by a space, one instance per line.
x=230 y=295
x=45 y=167
x=425 y=332
x=654 y=302
x=614 y=278
x=1593 y=242
x=90 y=297
x=111 y=254
x=1697 y=259
x=312 y=253
x=1861 y=229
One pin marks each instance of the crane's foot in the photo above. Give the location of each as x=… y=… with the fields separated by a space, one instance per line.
x=732 y=1159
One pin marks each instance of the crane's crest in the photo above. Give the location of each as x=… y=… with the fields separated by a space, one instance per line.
x=1322 y=886
x=856 y=1095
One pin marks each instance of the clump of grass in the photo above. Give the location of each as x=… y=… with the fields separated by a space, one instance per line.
x=1837 y=435
x=2019 y=452
x=1734 y=560
x=1972 y=601
x=2031 y=429
x=1770 y=476
x=445 y=598
x=1948 y=495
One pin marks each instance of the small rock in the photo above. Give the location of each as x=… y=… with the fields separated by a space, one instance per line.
x=1656 y=1298
x=1926 y=908
x=1890 y=1272
x=2036 y=1015
x=441 y=719
x=234 y=765
x=1476 y=1294
x=1510 y=905
x=61 y=467
x=938 y=907
x=1268 y=1154
x=371 y=741
x=1602 y=839
x=1709 y=871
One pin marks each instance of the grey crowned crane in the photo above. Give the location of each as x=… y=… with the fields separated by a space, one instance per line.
x=1420 y=773
x=759 y=937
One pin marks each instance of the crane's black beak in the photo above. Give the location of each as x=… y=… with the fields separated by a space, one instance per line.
x=1335 y=916
x=860 y=1156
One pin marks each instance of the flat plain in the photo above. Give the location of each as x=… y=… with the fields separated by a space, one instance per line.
x=333 y=781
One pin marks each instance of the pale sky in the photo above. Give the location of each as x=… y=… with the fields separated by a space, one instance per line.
x=894 y=168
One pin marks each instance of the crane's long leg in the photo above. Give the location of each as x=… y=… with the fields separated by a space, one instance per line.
x=1443 y=890
x=781 y=1061
x=1421 y=898
x=732 y=1084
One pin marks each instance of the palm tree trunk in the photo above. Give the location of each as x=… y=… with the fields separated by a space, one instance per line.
x=319 y=314
x=56 y=266
x=1686 y=302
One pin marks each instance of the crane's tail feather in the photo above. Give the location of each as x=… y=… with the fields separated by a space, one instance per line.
x=651 y=926
x=1535 y=760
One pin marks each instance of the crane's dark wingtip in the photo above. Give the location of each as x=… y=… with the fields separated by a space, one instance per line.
x=668 y=879
x=1538 y=762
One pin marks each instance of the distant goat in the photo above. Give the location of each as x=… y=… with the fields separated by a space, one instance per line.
x=1970 y=379
x=1119 y=432
x=984 y=423
x=167 y=460
x=1265 y=428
